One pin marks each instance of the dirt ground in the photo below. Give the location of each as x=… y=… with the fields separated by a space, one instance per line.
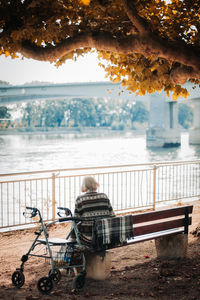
x=136 y=273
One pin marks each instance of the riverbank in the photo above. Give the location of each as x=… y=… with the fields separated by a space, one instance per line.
x=89 y=131
x=136 y=273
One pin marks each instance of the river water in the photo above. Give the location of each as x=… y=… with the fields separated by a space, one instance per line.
x=24 y=152
x=36 y=152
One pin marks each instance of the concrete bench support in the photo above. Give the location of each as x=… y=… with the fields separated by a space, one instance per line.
x=98 y=267
x=172 y=247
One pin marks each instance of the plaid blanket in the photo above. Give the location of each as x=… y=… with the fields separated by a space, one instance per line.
x=114 y=231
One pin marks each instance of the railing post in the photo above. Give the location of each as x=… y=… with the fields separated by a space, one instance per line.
x=53 y=196
x=154 y=187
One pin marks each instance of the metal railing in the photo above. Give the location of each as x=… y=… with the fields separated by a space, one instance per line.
x=129 y=187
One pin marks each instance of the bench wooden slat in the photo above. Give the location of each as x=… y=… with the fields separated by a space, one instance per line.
x=151 y=236
x=161 y=214
x=151 y=228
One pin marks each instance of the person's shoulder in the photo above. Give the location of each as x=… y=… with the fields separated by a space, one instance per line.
x=102 y=195
x=84 y=196
x=79 y=197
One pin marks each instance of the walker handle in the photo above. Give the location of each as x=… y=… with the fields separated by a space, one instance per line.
x=33 y=208
x=66 y=210
x=33 y=213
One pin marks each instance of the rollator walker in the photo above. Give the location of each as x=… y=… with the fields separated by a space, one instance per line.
x=61 y=252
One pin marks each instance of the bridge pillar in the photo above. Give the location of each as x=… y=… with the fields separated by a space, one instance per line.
x=194 y=133
x=163 y=123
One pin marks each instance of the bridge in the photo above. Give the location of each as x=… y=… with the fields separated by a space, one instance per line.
x=13 y=94
x=163 y=131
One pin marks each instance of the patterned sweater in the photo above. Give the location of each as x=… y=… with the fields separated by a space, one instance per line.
x=91 y=205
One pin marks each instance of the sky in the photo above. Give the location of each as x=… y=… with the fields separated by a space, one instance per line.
x=18 y=71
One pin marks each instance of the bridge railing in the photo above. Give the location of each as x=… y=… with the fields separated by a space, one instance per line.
x=129 y=187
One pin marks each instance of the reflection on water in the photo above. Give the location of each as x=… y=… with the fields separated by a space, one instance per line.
x=50 y=151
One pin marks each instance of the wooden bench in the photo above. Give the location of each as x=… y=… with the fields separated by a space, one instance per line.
x=169 y=229
x=161 y=223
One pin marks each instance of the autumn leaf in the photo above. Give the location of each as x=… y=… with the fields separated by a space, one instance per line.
x=85 y=2
x=6 y=53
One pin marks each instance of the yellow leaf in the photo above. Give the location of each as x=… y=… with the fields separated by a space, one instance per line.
x=141 y=93
x=6 y=53
x=85 y=2
x=116 y=79
x=14 y=56
x=174 y=96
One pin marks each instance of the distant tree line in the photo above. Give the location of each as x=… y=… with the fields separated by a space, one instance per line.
x=90 y=112
x=78 y=112
x=4 y=82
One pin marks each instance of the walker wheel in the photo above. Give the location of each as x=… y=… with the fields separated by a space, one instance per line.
x=45 y=285
x=18 y=279
x=55 y=276
x=78 y=282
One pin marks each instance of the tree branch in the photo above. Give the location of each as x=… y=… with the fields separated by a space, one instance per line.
x=148 y=45
x=180 y=74
x=145 y=42
x=188 y=56
x=100 y=41
x=141 y=24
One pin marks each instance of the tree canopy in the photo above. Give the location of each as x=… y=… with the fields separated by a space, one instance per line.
x=148 y=45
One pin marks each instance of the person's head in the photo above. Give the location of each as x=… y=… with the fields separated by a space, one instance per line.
x=89 y=184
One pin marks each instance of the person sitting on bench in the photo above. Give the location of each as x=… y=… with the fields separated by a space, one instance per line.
x=91 y=204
